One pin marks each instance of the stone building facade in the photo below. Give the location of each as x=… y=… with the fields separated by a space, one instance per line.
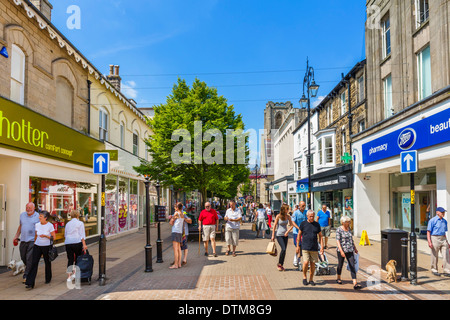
x=57 y=109
x=408 y=71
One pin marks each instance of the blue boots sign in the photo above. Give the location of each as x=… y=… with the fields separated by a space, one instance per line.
x=422 y=134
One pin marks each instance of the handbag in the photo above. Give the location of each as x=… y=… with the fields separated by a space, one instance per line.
x=52 y=253
x=272 y=249
x=254 y=226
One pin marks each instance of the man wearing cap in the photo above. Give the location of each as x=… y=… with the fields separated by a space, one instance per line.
x=437 y=241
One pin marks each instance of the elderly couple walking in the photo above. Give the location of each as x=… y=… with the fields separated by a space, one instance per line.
x=209 y=220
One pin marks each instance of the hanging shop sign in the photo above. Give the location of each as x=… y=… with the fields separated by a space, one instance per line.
x=24 y=129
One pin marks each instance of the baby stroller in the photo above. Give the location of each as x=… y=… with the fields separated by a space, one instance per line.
x=322 y=267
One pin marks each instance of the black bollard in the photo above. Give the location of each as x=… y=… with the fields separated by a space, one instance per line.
x=404 y=259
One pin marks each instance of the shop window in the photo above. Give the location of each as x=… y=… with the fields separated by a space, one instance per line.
x=123 y=204
x=134 y=196
x=424 y=73
x=111 y=205
x=60 y=198
x=17 y=93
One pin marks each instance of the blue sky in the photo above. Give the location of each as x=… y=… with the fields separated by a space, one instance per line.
x=252 y=51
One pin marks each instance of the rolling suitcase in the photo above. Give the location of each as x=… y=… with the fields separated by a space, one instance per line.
x=86 y=264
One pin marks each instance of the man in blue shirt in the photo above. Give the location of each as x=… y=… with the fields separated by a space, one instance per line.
x=26 y=232
x=324 y=218
x=437 y=241
x=298 y=217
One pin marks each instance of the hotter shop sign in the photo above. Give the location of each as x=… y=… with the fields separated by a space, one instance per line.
x=425 y=133
x=24 y=129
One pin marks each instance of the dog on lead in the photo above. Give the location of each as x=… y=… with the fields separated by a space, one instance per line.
x=391 y=271
x=16 y=266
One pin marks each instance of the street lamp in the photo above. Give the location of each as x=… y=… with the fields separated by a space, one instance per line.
x=148 y=247
x=159 y=242
x=305 y=102
x=256 y=185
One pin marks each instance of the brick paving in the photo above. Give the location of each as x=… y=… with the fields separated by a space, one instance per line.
x=252 y=275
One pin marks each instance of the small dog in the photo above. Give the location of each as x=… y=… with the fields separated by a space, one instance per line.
x=16 y=266
x=391 y=271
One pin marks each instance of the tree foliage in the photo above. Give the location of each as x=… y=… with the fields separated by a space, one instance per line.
x=184 y=110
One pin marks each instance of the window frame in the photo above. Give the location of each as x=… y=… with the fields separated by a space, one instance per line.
x=386 y=36
x=422 y=17
x=387 y=95
x=103 y=120
x=136 y=146
x=420 y=74
x=17 y=53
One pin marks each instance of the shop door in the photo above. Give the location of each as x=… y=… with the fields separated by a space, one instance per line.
x=2 y=224
x=425 y=201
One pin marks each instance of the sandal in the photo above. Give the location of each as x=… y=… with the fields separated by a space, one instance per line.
x=227 y=253
x=357 y=287
x=234 y=254
x=339 y=281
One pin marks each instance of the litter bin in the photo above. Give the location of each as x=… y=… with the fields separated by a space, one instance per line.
x=391 y=247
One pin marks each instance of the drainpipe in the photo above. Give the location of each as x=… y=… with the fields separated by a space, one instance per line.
x=89 y=107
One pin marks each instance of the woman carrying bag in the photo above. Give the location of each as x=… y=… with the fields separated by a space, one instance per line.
x=283 y=221
x=44 y=232
x=75 y=236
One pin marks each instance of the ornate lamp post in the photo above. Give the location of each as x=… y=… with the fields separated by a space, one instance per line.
x=159 y=242
x=312 y=88
x=148 y=247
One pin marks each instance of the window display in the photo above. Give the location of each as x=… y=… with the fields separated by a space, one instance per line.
x=60 y=197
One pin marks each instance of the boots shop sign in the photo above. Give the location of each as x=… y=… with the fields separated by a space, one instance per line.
x=24 y=129
x=431 y=131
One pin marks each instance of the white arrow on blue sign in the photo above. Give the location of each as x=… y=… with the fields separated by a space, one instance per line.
x=101 y=163
x=409 y=162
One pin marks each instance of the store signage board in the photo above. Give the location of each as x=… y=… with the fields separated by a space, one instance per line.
x=160 y=213
x=409 y=162
x=425 y=133
x=28 y=131
x=101 y=163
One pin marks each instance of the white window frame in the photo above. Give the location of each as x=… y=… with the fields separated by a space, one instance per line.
x=343 y=103
x=421 y=68
x=387 y=97
x=344 y=142
x=422 y=12
x=136 y=146
x=122 y=134
x=386 y=35
x=361 y=89
x=103 y=124
x=17 y=80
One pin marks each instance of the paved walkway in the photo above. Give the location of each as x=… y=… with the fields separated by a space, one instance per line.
x=252 y=275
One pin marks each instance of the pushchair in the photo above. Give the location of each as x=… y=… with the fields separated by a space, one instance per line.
x=323 y=266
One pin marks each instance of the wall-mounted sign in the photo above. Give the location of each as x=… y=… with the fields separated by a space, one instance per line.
x=27 y=130
x=425 y=133
x=160 y=213
x=4 y=52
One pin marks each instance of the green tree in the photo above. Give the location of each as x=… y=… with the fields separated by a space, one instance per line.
x=192 y=146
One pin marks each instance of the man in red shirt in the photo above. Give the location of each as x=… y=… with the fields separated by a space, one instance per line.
x=210 y=221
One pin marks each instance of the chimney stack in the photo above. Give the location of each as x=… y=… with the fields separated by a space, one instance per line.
x=44 y=6
x=114 y=76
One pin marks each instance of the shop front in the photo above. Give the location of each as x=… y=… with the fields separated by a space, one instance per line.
x=48 y=164
x=302 y=189
x=382 y=192
x=334 y=188
x=292 y=194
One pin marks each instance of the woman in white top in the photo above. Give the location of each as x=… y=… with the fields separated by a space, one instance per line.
x=177 y=223
x=75 y=236
x=44 y=231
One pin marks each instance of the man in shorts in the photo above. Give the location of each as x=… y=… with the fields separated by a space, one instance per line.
x=209 y=219
x=324 y=219
x=309 y=230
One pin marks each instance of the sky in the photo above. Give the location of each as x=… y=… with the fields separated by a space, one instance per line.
x=251 y=51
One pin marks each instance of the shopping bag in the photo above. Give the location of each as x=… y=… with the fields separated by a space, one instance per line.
x=356 y=256
x=254 y=226
x=271 y=248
